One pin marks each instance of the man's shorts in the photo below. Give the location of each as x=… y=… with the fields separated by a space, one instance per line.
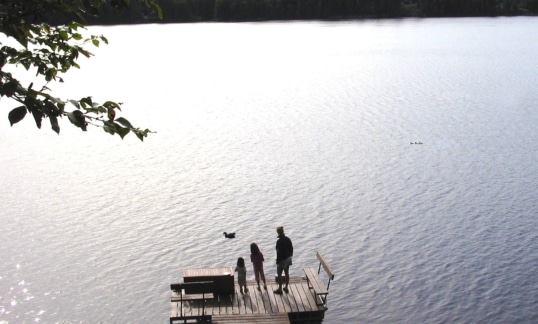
x=284 y=264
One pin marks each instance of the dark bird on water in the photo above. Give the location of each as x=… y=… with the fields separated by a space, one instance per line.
x=229 y=235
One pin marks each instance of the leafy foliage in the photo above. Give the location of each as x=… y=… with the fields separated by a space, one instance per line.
x=254 y=10
x=52 y=51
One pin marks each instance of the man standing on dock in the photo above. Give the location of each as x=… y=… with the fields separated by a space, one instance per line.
x=284 y=253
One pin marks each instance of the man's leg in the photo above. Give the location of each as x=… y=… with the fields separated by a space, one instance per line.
x=287 y=274
x=279 y=278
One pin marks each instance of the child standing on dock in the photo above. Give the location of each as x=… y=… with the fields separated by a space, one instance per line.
x=256 y=256
x=241 y=274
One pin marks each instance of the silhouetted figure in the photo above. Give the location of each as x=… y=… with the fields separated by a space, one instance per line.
x=256 y=256
x=284 y=254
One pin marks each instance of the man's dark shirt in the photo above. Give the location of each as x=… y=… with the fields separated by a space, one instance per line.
x=284 y=248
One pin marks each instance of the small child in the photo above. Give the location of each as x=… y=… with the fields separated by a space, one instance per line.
x=241 y=274
x=257 y=259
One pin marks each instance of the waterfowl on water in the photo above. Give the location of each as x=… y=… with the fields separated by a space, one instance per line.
x=229 y=235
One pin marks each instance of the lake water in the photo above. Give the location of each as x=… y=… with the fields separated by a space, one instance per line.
x=303 y=124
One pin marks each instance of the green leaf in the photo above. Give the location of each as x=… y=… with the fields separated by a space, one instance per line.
x=17 y=114
x=95 y=42
x=78 y=119
x=86 y=102
x=75 y=103
x=122 y=131
x=35 y=107
x=9 y=88
x=111 y=105
x=124 y=122
x=51 y=74
x=75 y=25
x=111 y=113
x=38 y=117
x=84 y=52
x=97 y=110
x=141 y=134
x=54 y=124
x=32 y=93
x=109 y=127
x=64 y=35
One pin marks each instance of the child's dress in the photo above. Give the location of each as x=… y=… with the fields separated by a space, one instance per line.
x=257 y=262
x=241 y=275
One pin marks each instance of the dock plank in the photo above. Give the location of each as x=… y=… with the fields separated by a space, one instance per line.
x=289 y=301
x=252 y=319
x=237 y=305
x=266 y=300
x=278 y=301
x=310 y=298
x=286 y=301
x=248 y=302
x=225 y=304
x=297 y=303
x=259 y=301
x=209 y=306
x=302 y=290
x=271 y=298
x=298 y=299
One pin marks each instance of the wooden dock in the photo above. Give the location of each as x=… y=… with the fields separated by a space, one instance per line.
x=256 y=306
x=212 y=296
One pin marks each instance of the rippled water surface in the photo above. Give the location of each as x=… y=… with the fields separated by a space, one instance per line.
x=303 y=124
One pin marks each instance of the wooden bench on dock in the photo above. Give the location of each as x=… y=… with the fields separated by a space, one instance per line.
x=315 y=283
x=189 y=301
